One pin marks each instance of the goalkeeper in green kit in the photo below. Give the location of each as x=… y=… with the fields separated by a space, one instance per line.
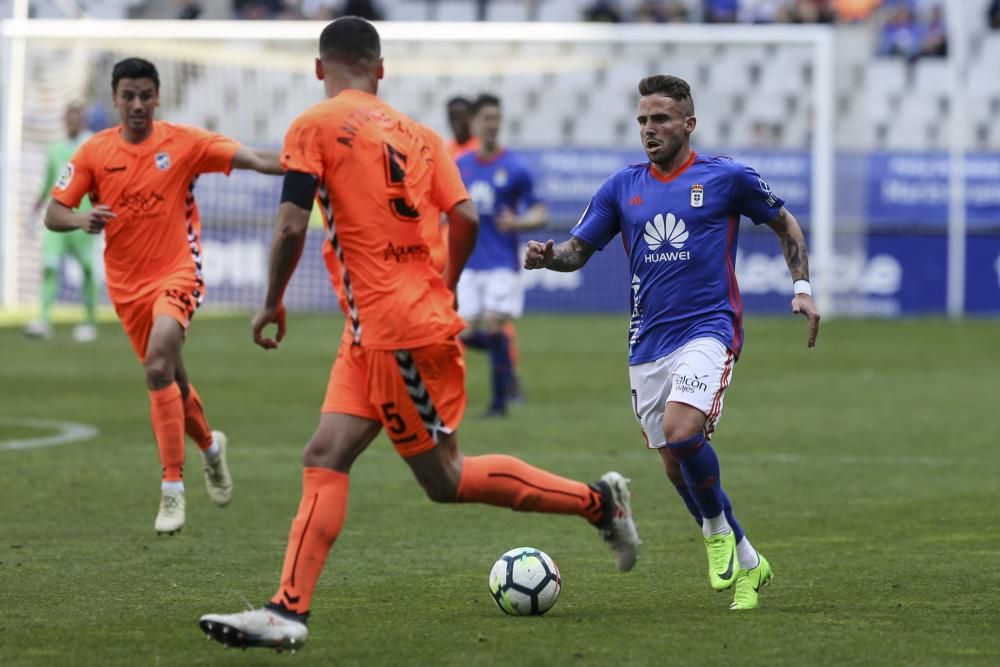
x=55 y=246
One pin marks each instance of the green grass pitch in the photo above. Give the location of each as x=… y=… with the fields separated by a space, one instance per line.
x=866 y=470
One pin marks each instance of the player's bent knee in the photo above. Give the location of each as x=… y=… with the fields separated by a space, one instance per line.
x=441 y=490
x=680 y=432
x=682 y=448
x=323 y=453
x=159 y=372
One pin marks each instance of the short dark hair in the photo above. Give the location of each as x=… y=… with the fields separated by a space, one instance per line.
x=350 y=40
x=459 y=100
x=134 y=68
x=485 y=100
x=673 y=87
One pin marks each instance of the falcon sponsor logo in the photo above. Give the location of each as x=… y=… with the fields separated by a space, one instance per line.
x=689 y=384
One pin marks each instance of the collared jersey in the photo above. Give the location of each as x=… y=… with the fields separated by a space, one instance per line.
x=502 y=182
x=379 y=190
x=156 y=234
x=680 y=233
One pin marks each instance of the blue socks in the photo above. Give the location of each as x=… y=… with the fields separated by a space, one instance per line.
x=498 y=347
x=686 y=450
x=475 y=339
x=700 y=467
x=685 y=493
x=728 y=508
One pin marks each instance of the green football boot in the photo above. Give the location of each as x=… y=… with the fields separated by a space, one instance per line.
x=722 y=560
x=749 y=583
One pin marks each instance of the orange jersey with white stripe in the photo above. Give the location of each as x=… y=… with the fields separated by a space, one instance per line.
x=156 y=234
x=380 y=191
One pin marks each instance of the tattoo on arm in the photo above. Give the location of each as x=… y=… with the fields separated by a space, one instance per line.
x=796 y=257
x=793 y=244
x=570 y=255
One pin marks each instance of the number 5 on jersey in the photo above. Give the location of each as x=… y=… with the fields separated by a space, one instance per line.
x=395 y=175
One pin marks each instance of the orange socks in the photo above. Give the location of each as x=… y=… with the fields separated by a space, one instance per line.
x=195 y=424
x=316 y=526
x=506 y=481
x=166 y=412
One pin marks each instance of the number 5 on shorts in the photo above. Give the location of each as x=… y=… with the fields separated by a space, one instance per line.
x=393 y=420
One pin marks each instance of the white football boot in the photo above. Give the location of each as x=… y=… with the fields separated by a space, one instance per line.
x=170 y=518
x=621 y=534
x=85 y=333
x=38 y=329
x=217 y=480
x=264 y=628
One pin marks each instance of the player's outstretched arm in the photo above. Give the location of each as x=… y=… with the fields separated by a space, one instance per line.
x=61 y=218
x=463 y=227
x=793 y=245
x=286 y=248
x=266 y=162
x=536 y=217
x=567 y=256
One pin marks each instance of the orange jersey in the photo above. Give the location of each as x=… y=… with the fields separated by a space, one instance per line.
x=156 y=236
x=448 y=179
x=457 y=150
x=380 y=189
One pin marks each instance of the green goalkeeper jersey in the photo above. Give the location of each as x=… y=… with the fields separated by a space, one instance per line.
x=57 y=155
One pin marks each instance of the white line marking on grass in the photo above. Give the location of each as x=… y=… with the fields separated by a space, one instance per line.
x=65 y=433
x=851 y=460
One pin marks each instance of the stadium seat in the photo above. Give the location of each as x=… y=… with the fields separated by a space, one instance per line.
x=507 y=10
x=885 y=76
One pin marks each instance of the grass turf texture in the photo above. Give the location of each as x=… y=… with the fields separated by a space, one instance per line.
x=866 y=470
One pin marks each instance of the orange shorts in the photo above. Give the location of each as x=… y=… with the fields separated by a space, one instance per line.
x=177 y=299
x=418 y=395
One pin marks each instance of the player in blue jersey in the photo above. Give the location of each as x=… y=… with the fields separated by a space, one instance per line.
x=490 y=293
x=678 y=216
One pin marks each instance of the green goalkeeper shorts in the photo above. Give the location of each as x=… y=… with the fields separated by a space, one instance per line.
x=78 y=244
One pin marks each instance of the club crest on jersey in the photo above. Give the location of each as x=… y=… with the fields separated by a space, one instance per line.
x=163 y=161
x=500 y=178
x=697 y=196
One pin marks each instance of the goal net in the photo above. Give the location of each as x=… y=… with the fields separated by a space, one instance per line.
x=762 y=94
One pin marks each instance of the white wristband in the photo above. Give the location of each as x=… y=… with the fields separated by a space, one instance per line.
x=802 y=287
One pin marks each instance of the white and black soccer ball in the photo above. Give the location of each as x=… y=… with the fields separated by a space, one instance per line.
x=525 y=582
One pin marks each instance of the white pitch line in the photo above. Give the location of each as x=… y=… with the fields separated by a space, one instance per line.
x=66 y=432
x=779 y=457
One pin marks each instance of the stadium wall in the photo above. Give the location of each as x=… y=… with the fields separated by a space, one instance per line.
x=900 y=269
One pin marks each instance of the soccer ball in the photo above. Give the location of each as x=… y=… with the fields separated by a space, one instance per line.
x=525 y=582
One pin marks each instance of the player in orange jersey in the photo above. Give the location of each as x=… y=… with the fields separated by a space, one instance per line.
x=460 y=122
x=140 y=177
x=399 y=366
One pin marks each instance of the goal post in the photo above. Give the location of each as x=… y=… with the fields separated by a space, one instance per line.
x=557 y=63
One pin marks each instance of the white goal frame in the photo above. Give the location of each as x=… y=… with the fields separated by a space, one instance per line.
x=16 y=32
